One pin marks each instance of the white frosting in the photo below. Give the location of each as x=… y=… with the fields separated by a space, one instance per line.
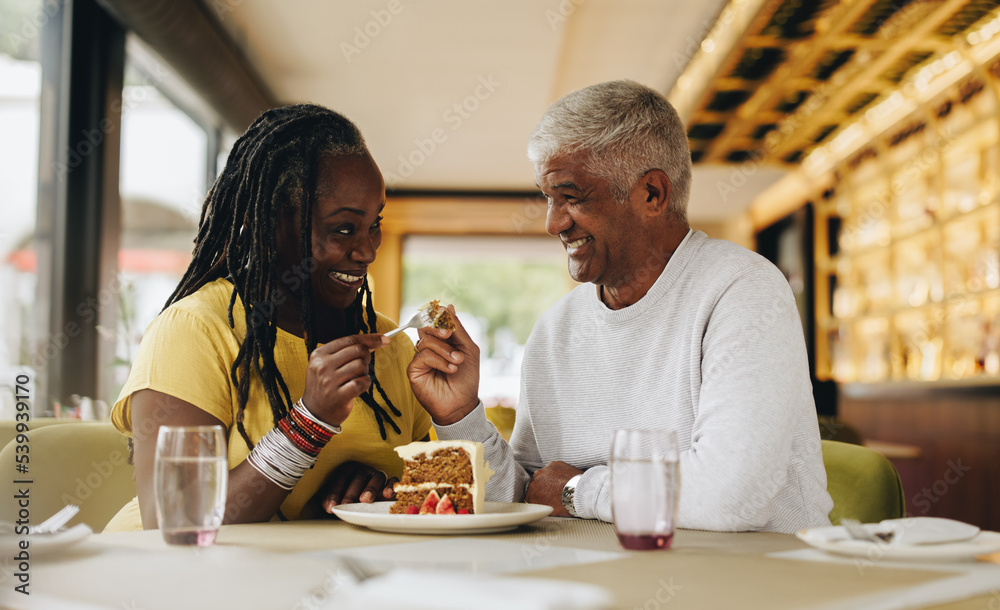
x=480 y=469
x=398 y=487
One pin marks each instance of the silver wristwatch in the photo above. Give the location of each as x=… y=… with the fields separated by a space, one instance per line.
x=569 y=490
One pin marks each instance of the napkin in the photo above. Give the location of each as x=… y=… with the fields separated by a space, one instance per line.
x=907 y=531
x=445 y=590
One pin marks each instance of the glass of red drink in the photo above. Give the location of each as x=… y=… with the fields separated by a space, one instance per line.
x=645 y=482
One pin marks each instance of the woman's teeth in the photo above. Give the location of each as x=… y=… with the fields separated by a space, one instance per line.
x=348 y=279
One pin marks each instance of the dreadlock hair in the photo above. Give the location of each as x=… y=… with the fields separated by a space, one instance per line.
x=271 y=168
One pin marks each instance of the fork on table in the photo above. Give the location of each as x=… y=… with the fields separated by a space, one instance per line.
x=54 y=523
x=858 y=531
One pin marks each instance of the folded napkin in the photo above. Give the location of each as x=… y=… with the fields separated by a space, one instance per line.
x=906 y=531
x=441 y=590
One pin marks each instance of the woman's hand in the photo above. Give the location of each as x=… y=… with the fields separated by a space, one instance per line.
x=444 y=374
x=354 y=482
x=337 y=374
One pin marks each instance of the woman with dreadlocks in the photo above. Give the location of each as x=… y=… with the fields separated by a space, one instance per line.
x=271 y=333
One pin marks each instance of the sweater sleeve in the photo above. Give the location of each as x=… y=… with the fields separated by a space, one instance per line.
x=754 y=386
x=592 y=499
x=509 y=478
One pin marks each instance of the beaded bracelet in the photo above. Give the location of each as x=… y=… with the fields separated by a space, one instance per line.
x=301 y=408
x=286 y=452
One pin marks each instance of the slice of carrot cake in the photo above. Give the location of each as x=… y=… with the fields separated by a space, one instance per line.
x=441 y=477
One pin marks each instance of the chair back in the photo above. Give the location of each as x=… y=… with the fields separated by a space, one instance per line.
x=503 y=419
x=83 y=463
x=8 y=427
x=864 y=484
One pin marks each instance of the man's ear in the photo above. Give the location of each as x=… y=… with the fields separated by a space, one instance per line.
x=655 y=187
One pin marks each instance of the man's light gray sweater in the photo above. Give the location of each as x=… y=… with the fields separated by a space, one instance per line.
x=715 y=352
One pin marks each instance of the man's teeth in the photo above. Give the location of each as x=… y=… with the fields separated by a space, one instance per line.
x=350 y=279
x=577 y=243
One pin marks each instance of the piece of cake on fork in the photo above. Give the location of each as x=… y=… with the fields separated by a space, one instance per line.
x=442 y=477
x=439 y=316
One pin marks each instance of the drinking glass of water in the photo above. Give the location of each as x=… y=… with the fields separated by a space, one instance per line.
x=192 y=474
x=645 y=482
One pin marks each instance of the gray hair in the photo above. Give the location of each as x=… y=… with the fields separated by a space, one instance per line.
x=627 y=129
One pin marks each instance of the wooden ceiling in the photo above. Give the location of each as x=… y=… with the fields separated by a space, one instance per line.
x=805 y=69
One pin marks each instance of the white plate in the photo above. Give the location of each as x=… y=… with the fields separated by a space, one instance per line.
x=39 y=544
x=983 y=543
x=499 y=517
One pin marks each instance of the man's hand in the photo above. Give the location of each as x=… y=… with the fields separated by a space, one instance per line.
x=547 y=484
x=444 y=374
x=353 y=482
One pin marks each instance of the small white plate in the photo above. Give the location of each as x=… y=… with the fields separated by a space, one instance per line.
x=499 y=517
x=983 y=543
x=39 y=544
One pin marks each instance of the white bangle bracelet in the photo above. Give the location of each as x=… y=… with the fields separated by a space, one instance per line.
x=277 y=458
x=301 y=408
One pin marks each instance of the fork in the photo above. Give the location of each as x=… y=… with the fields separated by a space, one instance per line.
x=858 y=532
x=419 y=320
x=56 y=521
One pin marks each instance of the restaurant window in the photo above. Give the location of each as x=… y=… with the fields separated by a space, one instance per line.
x=499 y=286
x=169 y=153
x=20 y=86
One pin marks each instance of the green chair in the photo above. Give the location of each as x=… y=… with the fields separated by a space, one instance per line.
x=864 y=484
x=84 y=463
x=832 y=429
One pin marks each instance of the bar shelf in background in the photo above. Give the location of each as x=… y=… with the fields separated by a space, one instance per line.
x=908 y=250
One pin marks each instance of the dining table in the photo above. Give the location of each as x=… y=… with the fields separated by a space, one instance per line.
x=550 y=563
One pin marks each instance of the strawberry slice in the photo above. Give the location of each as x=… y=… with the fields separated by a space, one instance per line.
x=430 y=504
x=445 y=507
x=463 y=511
x=412 y=510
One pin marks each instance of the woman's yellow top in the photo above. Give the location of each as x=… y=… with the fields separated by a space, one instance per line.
x=188 y=352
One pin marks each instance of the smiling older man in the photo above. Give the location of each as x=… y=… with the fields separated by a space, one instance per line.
x=673 y=330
